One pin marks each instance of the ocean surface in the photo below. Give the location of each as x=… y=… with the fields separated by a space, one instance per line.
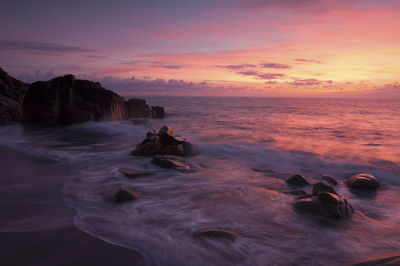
x=248 y=147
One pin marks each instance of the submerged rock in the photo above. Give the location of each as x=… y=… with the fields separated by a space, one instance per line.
x=216 y=234
x=324 y=201
x=363 y=181
x=322 y=187
x=173 y=162
x=12 y=93
x=392 y=259
x=125 y=194
x=133 y=173
x=164 y=142
x=298 y=180
x=329 y=179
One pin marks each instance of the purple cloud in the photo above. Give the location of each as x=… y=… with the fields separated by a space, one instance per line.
x=237 y=67
x=275 y=65
x=301 y=60
x=267 y=76
x=43 y=47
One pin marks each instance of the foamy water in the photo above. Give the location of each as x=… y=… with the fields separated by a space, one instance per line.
x=248 y=148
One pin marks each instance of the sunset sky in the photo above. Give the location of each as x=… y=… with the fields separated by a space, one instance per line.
x=208 y=47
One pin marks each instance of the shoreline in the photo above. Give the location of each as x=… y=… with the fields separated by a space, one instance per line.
x=37 y=225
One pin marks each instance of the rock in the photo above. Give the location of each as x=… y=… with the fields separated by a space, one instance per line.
x=216 y=234
x=132 y=173
x=296 y=192
x=137 y=108
x=149 y=146
x=363 y=181
x=157 y=111
x=298 y=180
x=392 y=259
x=12 y=93
x=312 y=205
x=325 y=204
x=124 y=195
x=335 y=205
x=66 y=100
x=329 y=179
x=164 y=142
x=173 y=162
x=322 y=187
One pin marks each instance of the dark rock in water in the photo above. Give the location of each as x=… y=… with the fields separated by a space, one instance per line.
x=149 y=146
x=125 y=194
x=216 y=234
x=133 y=173
x=311 y=205
x=392 y=259
x=326 y=204
x=329 y=179
x=164 y=142
x=296 y=192
x=66 y=100
x=336 y=206
x=173 y=162
x=12 y=93
x=322 y=187
x=363 y=181
x=138 y=108
x=157 y=111
x=298 y=180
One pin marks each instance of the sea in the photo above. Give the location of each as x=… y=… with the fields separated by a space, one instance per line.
x=247 y=149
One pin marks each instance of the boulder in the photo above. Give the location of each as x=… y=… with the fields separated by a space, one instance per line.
x=164 y=142
x=363 y=181
x=125 y=194
x=137 y=108
x=12 y=93
x=325 y=204
x=298 y=180
x=322 y=187
x=173 y=162
x=129 y=173
x=329 y=179
x=216 y=233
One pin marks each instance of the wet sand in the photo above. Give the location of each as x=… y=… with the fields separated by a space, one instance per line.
x=36 y=225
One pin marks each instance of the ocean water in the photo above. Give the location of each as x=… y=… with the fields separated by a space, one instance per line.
x=248 y=147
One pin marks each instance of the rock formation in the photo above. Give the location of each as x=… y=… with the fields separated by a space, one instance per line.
x=66 y=100
x=12 y=93
x=164 y=142
x=363 y=181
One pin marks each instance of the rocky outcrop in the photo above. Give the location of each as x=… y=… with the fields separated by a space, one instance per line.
x=12 y=93
x=363 y=181
x=325 y=202
x=66 y=100
x=298 y=180
x=124 y=195
x=138 y=108
x=164 y=142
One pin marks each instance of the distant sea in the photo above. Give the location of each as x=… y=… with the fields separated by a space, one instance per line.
x=248 y=147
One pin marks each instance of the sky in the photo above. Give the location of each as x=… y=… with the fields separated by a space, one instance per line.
x=208 y=47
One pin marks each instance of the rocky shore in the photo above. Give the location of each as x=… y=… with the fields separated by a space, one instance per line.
x=66 y=100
